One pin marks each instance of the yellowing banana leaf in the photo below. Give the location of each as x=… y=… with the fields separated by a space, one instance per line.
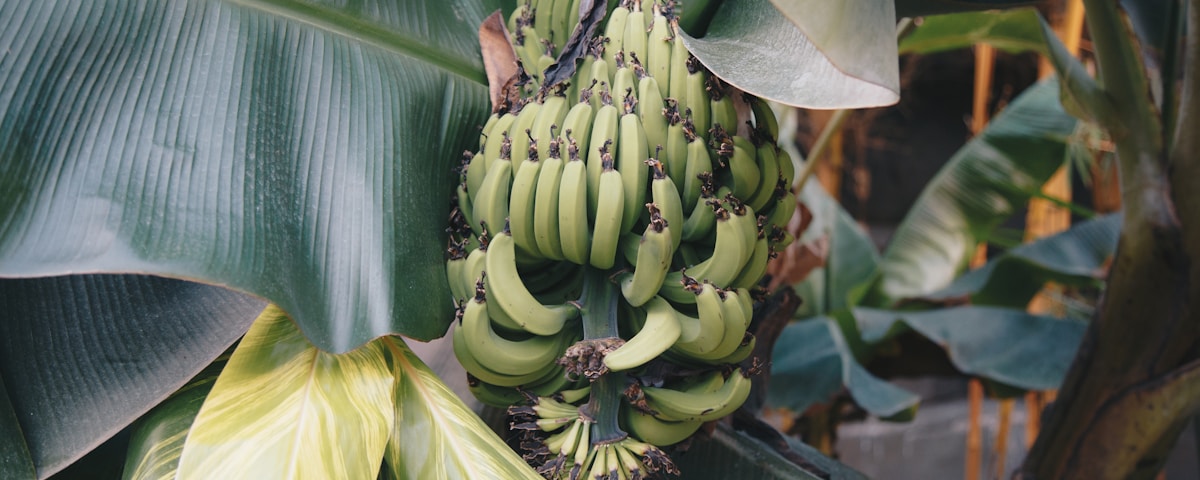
x=985 y=182
x=84 y=356
x=297 y=150
x=435 y=435
x=842 y=54
x=284 y=409
x=157 y=438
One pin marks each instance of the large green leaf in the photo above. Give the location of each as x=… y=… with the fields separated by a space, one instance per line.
x=1011 y=346
x=913 y=8
x=158 y=437
x=84 y=356
x=281 y=408
x=435 y=435
x=15 y=462
x=1012 y=31
x=849 y=62
x=812 y=361
x=297 y=150
x=850 y=261
x=1074 y=257
x=985 y=182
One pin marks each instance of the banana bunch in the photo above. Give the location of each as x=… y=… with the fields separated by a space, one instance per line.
x=645 y=173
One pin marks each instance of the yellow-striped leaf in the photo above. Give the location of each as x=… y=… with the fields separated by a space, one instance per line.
x=282 y=409
x=435 y=435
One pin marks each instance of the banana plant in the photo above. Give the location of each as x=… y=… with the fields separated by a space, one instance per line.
x=167 y=168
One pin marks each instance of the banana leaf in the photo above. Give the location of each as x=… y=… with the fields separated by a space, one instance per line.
x=1013 y=31
x=1007 y=345
x=850 y=262
x=811 y=63
x=986 y=182
x=299 y=151
x=15 y=461
x=914 y=8
x=813 y=361
x=157 y=439
x=1075 y=257
x=83 y=356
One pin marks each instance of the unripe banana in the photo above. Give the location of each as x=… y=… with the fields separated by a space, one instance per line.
x=604 y=132
x=768 y=166
x=729 y=253
x=476 y=171
x=658 y=52
x=573 y=228
x=698 y=164
x=657 y=334
x=545 y=208
x=736 y=320
x=756 y=266
x=510 y=293
x=675 y=151
x=550 y=116
x=787 y=168
x=624 y=82
x=697 y=99
x=541 y=17
x=764 y=117
x=631 y=155
x=635 y=33
x=504 y=356
x=666 y=197
x=743 y=168
x=490 y=207
x=476 y=368
x=656 y=431
x=610 y=209
x=577 y=126
x=650 y=109
x=560 y=29
x=521 y=204
x=487 y=127
x=496 y=138
x=615 y=31
x=785 y=207
x=677 y=85
x=693 y=406
x=675 y=288
x=465 y=206
x=521 y=134
x=454 y=271
x=721 y=106
x=654 y=251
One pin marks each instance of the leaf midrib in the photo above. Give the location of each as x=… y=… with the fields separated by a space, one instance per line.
x=355 y=29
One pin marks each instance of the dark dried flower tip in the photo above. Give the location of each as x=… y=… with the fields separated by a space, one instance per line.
x=585 y=95
x=605 y=94
x=630 y=101
x=572 y=147
x=619 y=58
x=714 y=87
x=671 y=111
x=721 y=141
x=506 y=147
x=656 y=166
x=555 y=146
x=689 y=127
x=606 y=159
x=656 y=461
x=693 y=64
x=736 y=205
x=586 y=357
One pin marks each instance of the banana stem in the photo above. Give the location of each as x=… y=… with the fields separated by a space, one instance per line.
x=599 y=305
x=604 y=405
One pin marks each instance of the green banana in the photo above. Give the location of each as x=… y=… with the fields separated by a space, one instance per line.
x=624 y=82
x=677 y=84
x=721 y=107
x=476 y=367
x=785 y=207
x=658 y=51
x=675 y=151
x=698 y=162
x=650 y=109
x=635 y=33
x=490 y=208
x=501 y=355
x=666 y=197
x=496 y=138
x=545 y=207
x=656 y=431
x=631 y=154
x=510 y=293
x=610 y=208
x=521 y=134
x=729 y=253
x=736 y=320
x=574 y=232
x=696 y=98
x=577 y=126
x=697 y=406
x=756 y=266
x=657 y=334
x=493 y=395
x=615 y=32
x=768 y=166
x=764 y=117
x=604 y=133
x=654 y=251
x=521 y=203
x=743 y=168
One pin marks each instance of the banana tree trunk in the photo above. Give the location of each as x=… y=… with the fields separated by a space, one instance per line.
x=1136 y=379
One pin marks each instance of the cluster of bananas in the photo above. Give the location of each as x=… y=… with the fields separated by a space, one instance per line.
x=636 y=172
